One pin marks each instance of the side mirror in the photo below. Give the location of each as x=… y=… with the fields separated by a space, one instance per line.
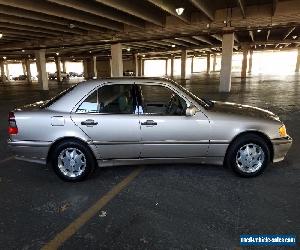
x=191 y=111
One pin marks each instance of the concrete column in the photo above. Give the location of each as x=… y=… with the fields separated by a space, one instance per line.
x=143 y=67
x=214 y=62
x=24 y=68
x=64 y=66
x=28 y=71
x=192 y=65
x=116 y=60
x=140 y=66
x=208 y=63
x=297 y=69
x=244 y=63
x=41 y=68
x=227 y=50
x=58 y=69
x=93 y=67
x=3 y=77
x=250 y=61
x=166 y=70
x=85 y=69
x=183 y=64
x=136 y=64
x=7 y=72
x=172 y=66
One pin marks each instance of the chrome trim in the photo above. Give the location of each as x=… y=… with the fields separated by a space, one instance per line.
x=147 y=142
x=282 y=140
x=29 y=143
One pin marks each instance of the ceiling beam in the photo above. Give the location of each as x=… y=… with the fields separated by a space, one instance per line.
x=47 y=18
x=100 y=10
x=188 y=40
x=203 y=6
x=176 y=42
x=202 y=39
x=5 y=31
x=138 y=9
x=61 y=11
x=274 y=6
x=44 y=25
x=170 y=7
x=289 y=32
x=217 y=37
x=242 y=6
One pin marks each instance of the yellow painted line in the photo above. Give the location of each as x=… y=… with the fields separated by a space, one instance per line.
x=6 y=159
x=72 y=228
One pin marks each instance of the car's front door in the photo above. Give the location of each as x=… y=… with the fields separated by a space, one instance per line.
x=108 y=116
x=166 y=131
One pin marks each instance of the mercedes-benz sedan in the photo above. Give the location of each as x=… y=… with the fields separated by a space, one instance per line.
x=121 y=121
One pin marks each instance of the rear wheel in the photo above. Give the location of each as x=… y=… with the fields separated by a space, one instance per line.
x=248 y=156
x=72 y=161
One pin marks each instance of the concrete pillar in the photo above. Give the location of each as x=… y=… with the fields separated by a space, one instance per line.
x=244 y=63
x=58 y=69
x=192 y=65
x=227 y=50
x=3 y=77
x=183 y=64
x=64 y=66
x=143 y=67
x=166 y=69
x=24 y=68
x=297 y=69
x=28 y=71
x=93 y=67
x=172 y=66
x=136 y=64
x=250 y=61
x=140 y=66
x=208 y=63
x=214 y=62
x=7 y=72
x=116 y=60
x=41 y=68
x=85 y=69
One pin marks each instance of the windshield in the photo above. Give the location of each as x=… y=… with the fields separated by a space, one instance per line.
x=57 y=97
x=202 y=102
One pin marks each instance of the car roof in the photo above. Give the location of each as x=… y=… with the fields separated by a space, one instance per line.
x=67 y=102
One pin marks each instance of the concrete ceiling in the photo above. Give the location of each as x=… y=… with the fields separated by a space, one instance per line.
x=82 y=28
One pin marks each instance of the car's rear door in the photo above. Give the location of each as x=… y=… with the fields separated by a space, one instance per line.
x=108 y=116
x=170 y=133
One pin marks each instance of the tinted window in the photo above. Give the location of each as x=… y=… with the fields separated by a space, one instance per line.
x=110 y=99
x=159 y=100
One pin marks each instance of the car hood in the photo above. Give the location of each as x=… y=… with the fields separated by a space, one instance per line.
x=242 y=110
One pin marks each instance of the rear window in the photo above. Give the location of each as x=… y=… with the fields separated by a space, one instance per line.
x=57 y=97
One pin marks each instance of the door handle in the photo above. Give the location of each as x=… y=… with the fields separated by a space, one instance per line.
x=89 y=122
x=149 y=123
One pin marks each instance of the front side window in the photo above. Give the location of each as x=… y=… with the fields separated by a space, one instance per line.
x=110 y=99
x=160 y=100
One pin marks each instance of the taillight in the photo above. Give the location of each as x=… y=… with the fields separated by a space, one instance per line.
x=12 y=125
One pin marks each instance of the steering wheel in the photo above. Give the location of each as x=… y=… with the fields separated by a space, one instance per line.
x=173 y=101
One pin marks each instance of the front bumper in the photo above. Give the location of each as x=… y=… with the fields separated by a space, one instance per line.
x=32 y=151
x=280 y=147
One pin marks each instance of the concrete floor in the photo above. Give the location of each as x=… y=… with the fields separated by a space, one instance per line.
x=165 y=207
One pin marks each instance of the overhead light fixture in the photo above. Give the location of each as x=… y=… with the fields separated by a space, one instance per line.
x=90 y=51
x=207 y=25
x=143 y=55
x=179 y=11
x=57 y=53
x=1 y=35
x=280 y=47
x=23 y=50
x=173 y=45
x=4 y=57
x=71 y=25
x=258 y=30
x=225 y=21
x=294 y=37
x=128 y=49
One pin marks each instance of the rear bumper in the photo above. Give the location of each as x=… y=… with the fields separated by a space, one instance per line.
x=32 y=151
x=281 y=146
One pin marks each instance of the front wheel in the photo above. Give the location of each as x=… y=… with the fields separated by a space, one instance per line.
x=248 y=156
x=72 y=161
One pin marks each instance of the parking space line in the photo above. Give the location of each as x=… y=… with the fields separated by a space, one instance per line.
x=6 y=159
x=74 y=226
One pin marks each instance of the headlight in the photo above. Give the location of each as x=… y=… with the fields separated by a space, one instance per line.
x=282 y=131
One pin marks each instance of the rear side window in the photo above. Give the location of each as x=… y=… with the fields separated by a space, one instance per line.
x=110 y=99
x=57 y=97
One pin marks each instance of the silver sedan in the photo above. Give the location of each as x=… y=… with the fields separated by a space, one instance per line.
x=121 y=121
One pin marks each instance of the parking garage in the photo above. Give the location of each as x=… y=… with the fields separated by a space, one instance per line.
x=245 y=52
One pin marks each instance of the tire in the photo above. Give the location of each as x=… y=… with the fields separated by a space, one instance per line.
x=72 y=161
x=248 y=156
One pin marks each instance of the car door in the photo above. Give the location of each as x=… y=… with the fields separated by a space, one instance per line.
x=108 y=117
x=166 y=131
